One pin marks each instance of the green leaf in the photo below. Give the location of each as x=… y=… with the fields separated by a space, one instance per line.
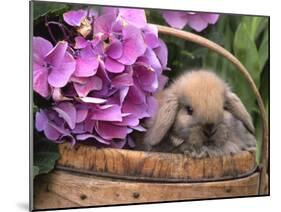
x=246 y=51
x=264 y=85
x=45 y=161
x=35 y=171
x=263 y=26
x=263 y=49
x=226 y=68
x=43 y=8
x=250 y=32
x=255 y=25
x=45 y=156
x=211 y=60
x=188 y=54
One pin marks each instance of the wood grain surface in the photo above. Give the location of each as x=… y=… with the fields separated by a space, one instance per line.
x=62 y=189
x=156 y=166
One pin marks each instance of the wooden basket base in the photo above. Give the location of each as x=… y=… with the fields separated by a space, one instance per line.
x=63 y=189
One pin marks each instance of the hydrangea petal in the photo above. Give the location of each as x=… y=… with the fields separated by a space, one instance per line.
x=152 y=105
x=115 y=49
x=123 y=93
x=41 y=120
x=162 y=82
x=81 y=115
x=87 y=136
x=196 y=22
x=139 y=128
x=67 y=111
x=56 y=56
x=40 y=47
x=151 y=28
x=51 y=133
x=118 y=144
x=92 y=12
x=162 y=53
x=60 y=76
x=175 y=19
x=57 y=120
x=93 y=83
x=130 y=120
x=102 y=73
x=135 y=17
x=151 y=40
x=74 y=18
x=117 y=26
x=40 y=81
x=113 y=66
x=106 y=92
x=107 y=113
x=86 y=67
x=122 y=80
x=98 y=46
x=52 y=115
x=133 y=45
x=139 y=110
x=68 y=138
x=109 y=131
x=58 y=96
x=92 y=100
x=59 y=129
x=80 y=42
x=109 y=10
x=79 y=129
x=104 y=23
x=210 y=18
x=147 y=78
x=89 y=125
x=87 y=63
x=136 y=95
x=150 y=59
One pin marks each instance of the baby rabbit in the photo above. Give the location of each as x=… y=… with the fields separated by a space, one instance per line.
x=200 y=116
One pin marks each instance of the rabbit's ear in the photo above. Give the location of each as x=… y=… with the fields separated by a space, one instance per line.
x=235 y=106
x=163 y=120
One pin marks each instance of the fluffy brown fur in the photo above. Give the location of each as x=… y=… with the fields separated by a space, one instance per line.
x=200 y=116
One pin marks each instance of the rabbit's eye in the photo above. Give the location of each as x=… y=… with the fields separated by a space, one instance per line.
x=189 y=110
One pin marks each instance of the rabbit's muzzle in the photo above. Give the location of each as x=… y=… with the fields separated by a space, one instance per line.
x=209 y=129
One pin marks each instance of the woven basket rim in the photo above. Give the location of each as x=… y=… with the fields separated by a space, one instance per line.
x=140 y=165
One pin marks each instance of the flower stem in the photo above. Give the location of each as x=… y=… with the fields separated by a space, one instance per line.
x=49 y=30
x=62 y=28
x=88 y=11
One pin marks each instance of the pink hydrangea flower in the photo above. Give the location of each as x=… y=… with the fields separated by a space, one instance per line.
x=52 y=66
x=197 y=21
x=101 y=85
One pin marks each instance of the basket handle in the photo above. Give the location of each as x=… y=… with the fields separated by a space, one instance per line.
x=231 y=58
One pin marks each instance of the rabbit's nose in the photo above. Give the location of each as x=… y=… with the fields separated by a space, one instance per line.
x=209 y=129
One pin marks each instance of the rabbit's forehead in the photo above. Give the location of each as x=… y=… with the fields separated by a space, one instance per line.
x=205 y=93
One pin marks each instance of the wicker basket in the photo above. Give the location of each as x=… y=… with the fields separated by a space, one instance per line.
x=87 y=176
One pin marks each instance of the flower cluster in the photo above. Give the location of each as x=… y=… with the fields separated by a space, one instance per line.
x=101 y=78
x=197 y=21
